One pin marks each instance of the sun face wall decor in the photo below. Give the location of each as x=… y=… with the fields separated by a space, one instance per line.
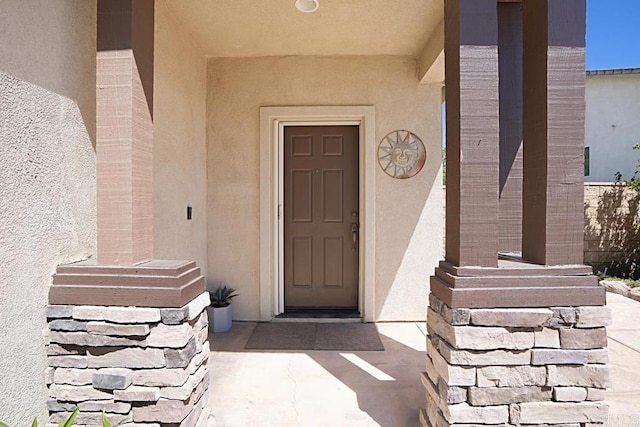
x=401 y=154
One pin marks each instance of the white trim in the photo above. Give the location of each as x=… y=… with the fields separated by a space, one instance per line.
x=272 y=122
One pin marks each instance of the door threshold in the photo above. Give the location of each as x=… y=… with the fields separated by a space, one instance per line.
x=280 y=319
x=320 y=314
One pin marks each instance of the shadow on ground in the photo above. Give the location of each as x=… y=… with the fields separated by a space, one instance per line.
x=312 y=387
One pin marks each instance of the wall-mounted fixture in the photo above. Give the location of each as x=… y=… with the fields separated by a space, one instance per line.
x=307 y=6
x=189 y=210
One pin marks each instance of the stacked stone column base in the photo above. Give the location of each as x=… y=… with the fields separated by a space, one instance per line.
x=141 y=366
x=516 y=366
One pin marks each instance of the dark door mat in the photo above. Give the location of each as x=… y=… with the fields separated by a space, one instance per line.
x=320 y=313
x=315 y=336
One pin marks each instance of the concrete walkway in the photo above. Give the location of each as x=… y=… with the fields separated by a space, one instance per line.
x=624 y=356
x=372 y=388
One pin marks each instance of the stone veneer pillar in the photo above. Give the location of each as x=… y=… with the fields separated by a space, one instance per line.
x=140 y=365
x=516 y=366
x=127 y=334
x=515 y=340
x=131 y=341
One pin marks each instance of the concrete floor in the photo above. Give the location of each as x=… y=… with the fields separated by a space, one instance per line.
x=318 y=388
x=624 y=356
x=372 y=388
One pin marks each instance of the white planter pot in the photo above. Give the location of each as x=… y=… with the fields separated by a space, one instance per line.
x=220 y=318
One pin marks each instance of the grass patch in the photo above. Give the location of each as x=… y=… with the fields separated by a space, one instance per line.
x=628 y=282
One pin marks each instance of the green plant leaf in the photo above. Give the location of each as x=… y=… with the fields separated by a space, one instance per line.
x=34 y=423
x=105 y=420
x=222 y=296
x=3 y=424
x=70 y=420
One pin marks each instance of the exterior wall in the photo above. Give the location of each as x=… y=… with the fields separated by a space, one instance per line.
x=47 y=178
x=612 y=229
x=408 y=212
x=612 y=126
x=179 y=146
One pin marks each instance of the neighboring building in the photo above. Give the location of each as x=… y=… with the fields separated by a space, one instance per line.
x=612 y=124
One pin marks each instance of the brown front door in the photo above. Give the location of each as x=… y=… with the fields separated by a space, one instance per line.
x=321 y=216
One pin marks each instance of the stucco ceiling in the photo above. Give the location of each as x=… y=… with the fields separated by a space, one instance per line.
x=242 y=28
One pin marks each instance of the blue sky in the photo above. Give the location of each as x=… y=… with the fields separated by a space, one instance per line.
x=613 y=34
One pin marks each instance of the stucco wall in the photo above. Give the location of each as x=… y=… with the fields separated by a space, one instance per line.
x=612 y=229
x=612 y=125
x=47 y=178
x=179 y=147
x=408 y=212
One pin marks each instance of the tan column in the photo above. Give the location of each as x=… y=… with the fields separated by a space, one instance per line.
x=126 y=275
x=510 y=69
x=471 y=72
x=124 y=147
x=553 y=127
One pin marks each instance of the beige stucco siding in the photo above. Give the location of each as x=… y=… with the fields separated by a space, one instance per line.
x=612 y=125
x=179 y=148
x=47 y=179
x=408 y=212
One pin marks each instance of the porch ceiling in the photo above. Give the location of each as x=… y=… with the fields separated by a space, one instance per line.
x=245 y=28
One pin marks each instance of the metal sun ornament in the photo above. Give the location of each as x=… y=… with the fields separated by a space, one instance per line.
x=401 y=154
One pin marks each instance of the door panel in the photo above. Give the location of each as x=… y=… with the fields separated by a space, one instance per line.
x=320 y=216
x=301 y=202
x=333 y=261
x=332 y=196
x=301 y=257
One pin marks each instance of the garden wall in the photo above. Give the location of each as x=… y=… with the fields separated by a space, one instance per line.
x=612 y=229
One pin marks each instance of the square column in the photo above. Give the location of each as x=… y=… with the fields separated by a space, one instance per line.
x=553 y=127
x=552 y=106
x=125 y=274
x=127 y=335
x=124 y=133
x=471 y=91
x=518 y=341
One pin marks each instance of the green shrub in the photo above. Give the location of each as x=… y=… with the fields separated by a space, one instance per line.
x=628 y=282
x=69 y=421
x=634 y=182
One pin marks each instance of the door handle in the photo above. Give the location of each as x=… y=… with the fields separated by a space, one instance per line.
x=354 y=236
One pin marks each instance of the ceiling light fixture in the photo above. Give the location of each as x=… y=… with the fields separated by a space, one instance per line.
x=307 y=6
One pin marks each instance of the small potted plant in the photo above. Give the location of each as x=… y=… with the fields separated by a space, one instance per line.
x=220 y=310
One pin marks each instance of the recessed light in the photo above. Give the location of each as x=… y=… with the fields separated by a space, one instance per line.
x=307 y=6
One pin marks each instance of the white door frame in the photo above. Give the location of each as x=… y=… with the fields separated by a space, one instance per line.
x=272 y=123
